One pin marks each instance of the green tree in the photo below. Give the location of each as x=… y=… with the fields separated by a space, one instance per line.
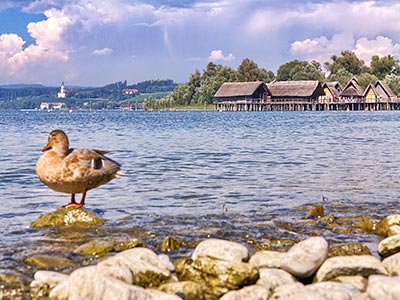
x=383 y=66
x=298 y=70
x=393 y=81
x=365 y=79
x=248 y=70
x=347 y=61
x=342 y=76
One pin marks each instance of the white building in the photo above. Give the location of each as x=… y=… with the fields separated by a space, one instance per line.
x=62 y=93
x=53 y=106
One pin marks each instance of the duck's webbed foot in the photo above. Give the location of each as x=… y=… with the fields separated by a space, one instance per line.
x=73 y=203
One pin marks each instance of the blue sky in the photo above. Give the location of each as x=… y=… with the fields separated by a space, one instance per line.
x=95 y=42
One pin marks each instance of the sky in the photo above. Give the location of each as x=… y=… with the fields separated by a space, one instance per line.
x=96 y=42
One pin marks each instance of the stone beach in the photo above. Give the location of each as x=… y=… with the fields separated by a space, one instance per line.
x=212 y=268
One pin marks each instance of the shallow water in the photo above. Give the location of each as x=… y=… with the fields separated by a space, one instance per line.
x=193 y=174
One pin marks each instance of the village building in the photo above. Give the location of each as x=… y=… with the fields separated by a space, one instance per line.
x=379 y=96
x=352 y=93
x=53 y=106
x=296 y=95
x=130 y=91
x=242 y=96
x=332 y=91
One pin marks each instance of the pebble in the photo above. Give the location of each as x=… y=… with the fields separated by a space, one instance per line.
x=305 y=257
x=389 y=245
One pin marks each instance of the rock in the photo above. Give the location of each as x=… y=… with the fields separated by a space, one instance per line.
x=221 y=249
x=304 y=258
x=164 y=259
x=349 y=249
x=334 y=290
x=393 y=230
x=188 y=289
x=266 y=259
x=386 y=223
x=316 y=211
x=67 y=217
x=363 y=265
x=252 y=292
x=295 y=291
x=95 y=248
x=383 y=288
x=358 y=282
x=89 y=283
x=170 y=244
x=44 y=281
x=392 y=264
x=146 y=267
x=273 y=278
x=216 y=276
x=389 y=245
x=48 y=262
x=13 y=285
x=129 y=244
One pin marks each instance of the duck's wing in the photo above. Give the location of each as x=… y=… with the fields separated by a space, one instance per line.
x=94 y=162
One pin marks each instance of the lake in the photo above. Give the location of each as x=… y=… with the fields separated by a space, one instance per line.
x=200 y=174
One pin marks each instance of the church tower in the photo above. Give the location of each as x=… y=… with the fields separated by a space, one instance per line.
x=61 y=93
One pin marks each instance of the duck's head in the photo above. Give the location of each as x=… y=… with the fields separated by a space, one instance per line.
x=58 y=142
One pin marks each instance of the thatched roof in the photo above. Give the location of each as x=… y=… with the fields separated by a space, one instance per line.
x=301 y=88
x=352 y=89
x=238 y=89
x=334 y=87
x=385 y=88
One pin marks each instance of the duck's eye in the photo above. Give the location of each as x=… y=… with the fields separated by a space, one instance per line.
x=97 y=163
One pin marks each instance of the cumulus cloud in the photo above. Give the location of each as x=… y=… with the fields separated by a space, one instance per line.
x=101 y=52
x=217 y=55
x=322 y=48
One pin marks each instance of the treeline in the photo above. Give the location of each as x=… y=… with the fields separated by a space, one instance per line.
x=201 y=86
x=154 y=86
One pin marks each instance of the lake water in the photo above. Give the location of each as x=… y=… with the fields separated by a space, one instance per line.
x=215 y=173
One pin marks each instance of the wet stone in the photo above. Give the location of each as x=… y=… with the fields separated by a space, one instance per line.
x=304 y=258
x=129 y=244
x=349 y=249
x=95 y=248
x=384 y=226
x=170 y=244
x=216 y=276
x=48 y=262
x=67 y=217
x=393 y=230
x=316 y=211
x=389 y=246
x=363 y=265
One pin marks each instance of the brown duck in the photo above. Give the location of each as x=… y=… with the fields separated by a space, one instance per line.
x=74 y=171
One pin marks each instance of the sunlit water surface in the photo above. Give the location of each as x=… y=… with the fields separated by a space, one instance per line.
x=190 y=170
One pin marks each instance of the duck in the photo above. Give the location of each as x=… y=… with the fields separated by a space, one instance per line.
x=74 y=171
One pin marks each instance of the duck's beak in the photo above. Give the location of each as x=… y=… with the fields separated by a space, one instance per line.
x=47 y=147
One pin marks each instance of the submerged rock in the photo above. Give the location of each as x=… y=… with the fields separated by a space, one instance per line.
x=304 y=258
x=95 y=248
x=170 y=244
x=129 y=244
x=66 y=217
x=316 y=211
x=188 y=290
x=49 y=262
x=349 y=249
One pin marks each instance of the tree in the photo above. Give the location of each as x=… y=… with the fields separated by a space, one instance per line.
x=248 y=71
x=393 y=81
x=342 y=76
x=298 y=70
x=347 y=61
x=365 y=79
x=383 y=66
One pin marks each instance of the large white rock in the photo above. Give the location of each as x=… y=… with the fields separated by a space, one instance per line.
x=392 y=264
x=273 y=278
x=49 y=278
x=305 y=257
x=221 y=249
x=146 y=267
x=389 y=245
x=363 y=265
x=266 y=259
x=252 y=292
x=383 y=288
x=335 y=290
x=295 y=291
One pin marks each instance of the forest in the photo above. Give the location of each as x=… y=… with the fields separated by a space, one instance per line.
x=201 y=86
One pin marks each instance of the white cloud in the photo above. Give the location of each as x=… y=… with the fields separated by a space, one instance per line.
x=217 y=55
x=321 y=48
x=101 y=52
